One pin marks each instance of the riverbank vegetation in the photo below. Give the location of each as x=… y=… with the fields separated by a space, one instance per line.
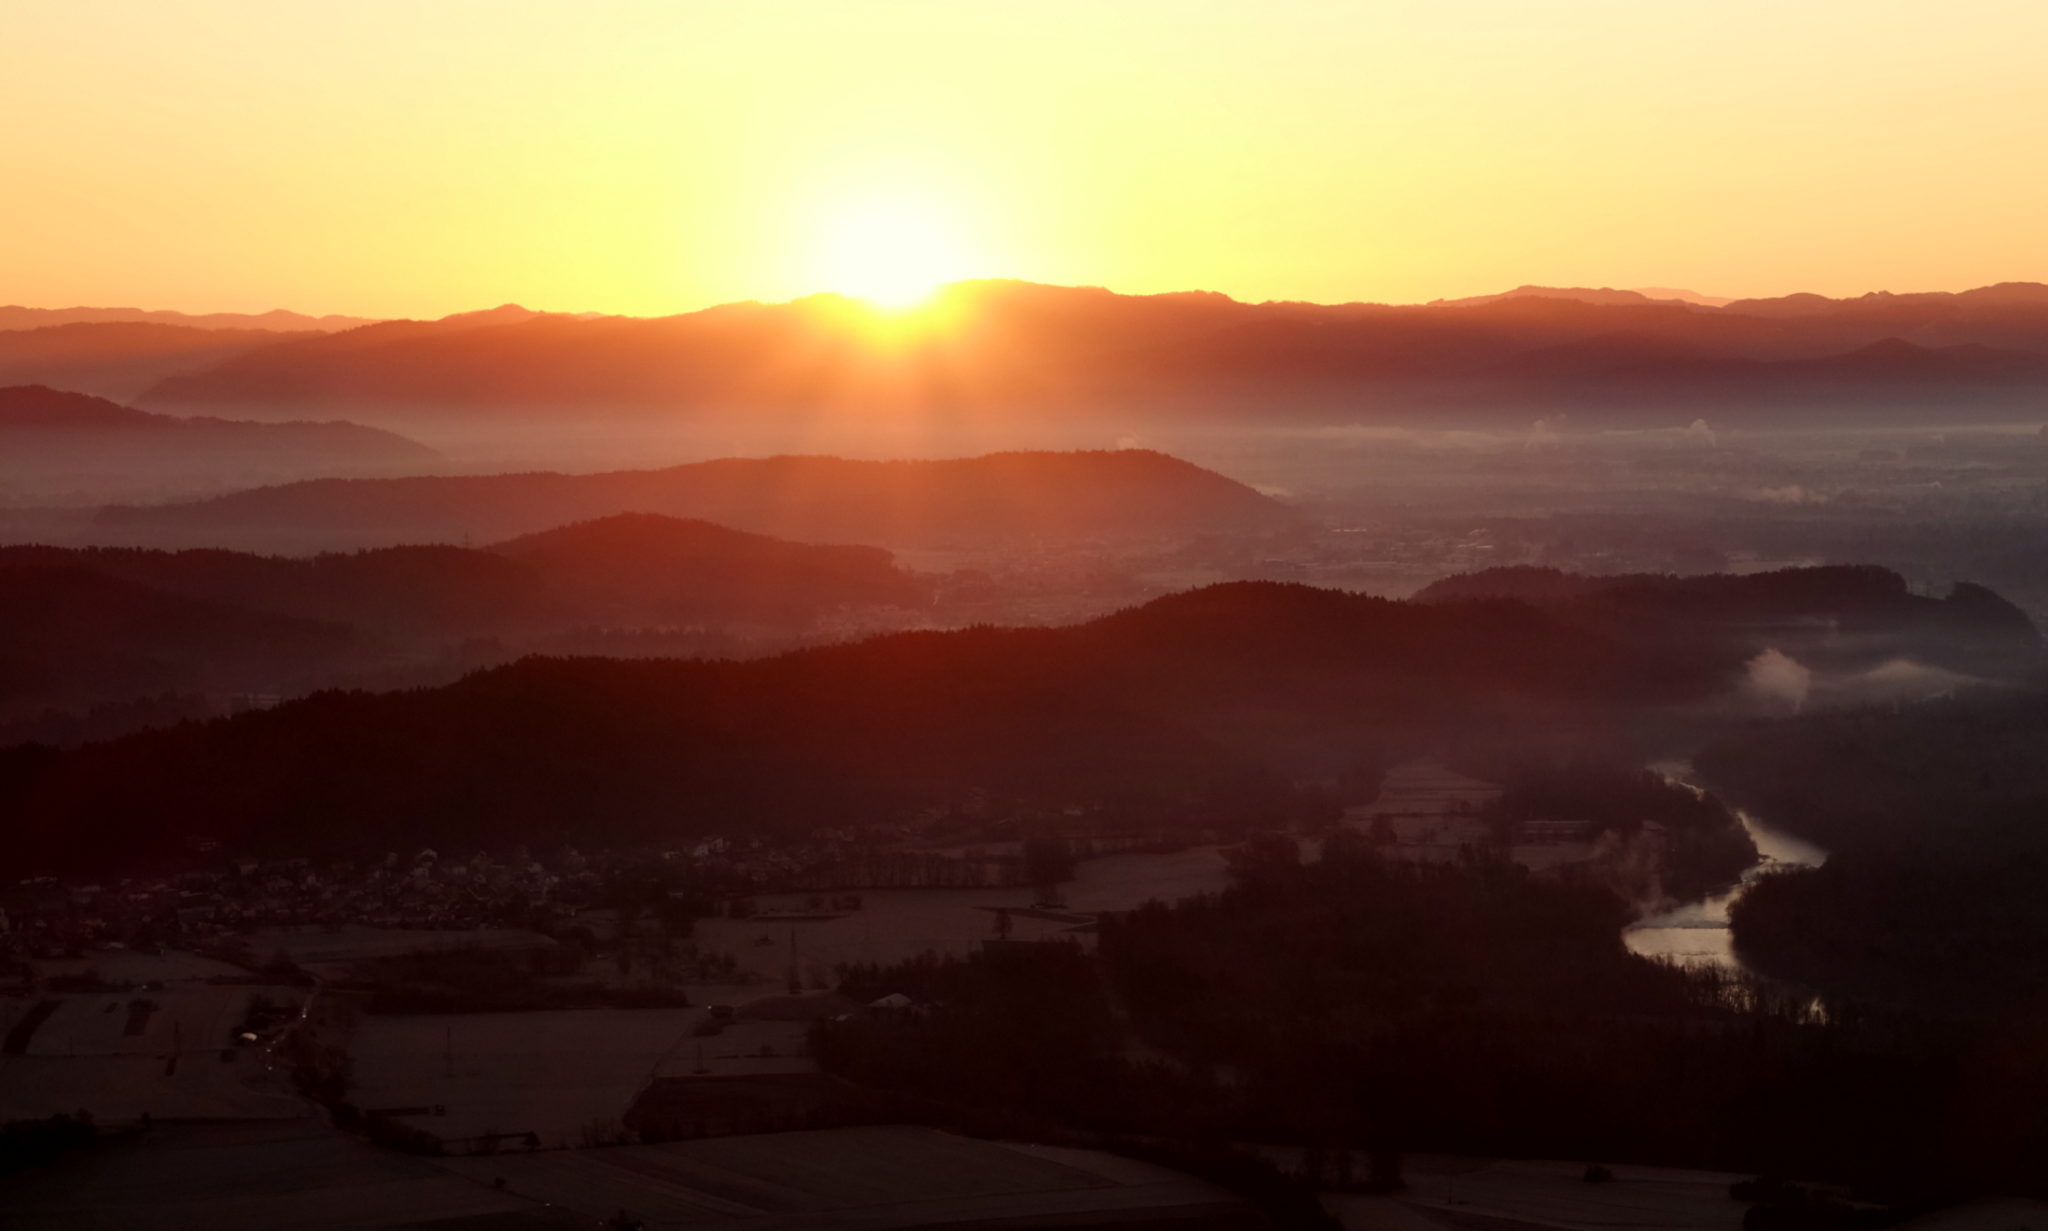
x=1357 y=1007
x=1934 y=817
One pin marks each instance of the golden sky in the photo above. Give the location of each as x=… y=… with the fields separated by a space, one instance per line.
x=418 y=157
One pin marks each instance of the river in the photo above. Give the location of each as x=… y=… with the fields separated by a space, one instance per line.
x=1696 y=933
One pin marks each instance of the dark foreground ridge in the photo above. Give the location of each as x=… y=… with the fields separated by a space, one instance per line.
x=1229 y=693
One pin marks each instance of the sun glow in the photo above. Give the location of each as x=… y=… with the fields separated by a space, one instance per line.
x=892 y=251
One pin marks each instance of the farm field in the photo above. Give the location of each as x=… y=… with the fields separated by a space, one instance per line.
x=892 y=925
x=135 y=966
x=555 y=1074
x=119 y=1055
x=745 y=1047
x=1447 y=1192
x=1430 y=809
x=1129 y=880
x=330 y=952
x=260 y=1177
x=860 y=1179
x=1555 y=1193
x=247 y=1177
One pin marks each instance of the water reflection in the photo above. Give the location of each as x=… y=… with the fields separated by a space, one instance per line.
x=1696 y=933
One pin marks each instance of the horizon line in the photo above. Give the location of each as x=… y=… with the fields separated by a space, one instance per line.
x=944 y=287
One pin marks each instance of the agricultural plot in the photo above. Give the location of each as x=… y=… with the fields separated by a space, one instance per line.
x=558 y=1074
x=178 y=1019
x=1555 y=1194
x=331 y=952
x=135 y=966
x=121 y=1089
x=1129 y=880
x=169 y=1051
x=1430 y=809
x=892 y=925
x=868 y=1179
x=1985 y=1214
x=743 y=1048
x=248 y=1177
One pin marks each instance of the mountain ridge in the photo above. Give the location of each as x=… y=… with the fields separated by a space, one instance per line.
x=1066 y=351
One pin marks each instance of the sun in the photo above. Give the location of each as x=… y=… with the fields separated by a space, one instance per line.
x=892 y=250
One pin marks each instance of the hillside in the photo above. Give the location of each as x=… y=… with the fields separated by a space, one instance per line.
x=1838 y=616
x=56 y=440
x=116 y=359
x=72 y=638
x=1185 y=704
x=641 y=568
x=1008 y=496
x=1071 y=351
x=623 y=571
x=101 y=641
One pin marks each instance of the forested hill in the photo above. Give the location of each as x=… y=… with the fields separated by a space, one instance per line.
x=627 y=570
x=1933 y=817
x=71 y=638
x=45 y=424
x=1010 y=496
x=1181 y=703
x=1846 y=614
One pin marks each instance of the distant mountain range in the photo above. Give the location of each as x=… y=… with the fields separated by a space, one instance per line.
x=1202 y=700
x=13 y=316
x=1014 y=497
x=51 y=440
x=1050 y=351
x=117 y=360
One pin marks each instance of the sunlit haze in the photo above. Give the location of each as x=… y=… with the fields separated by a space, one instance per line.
x=390 y=157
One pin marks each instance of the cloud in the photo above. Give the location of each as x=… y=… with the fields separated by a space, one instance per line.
x=1776 y=678
x=1790 y=494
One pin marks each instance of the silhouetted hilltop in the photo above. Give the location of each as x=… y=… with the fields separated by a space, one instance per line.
x=1048 y=350
x=1018 y=496
x=1583 y=294
x=645 y=568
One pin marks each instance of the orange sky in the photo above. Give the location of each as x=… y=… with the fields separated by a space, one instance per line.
x=417 y=157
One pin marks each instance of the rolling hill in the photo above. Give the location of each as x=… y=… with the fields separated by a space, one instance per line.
x=117 y=359
x=1214 y=698
x=53 y=440
x=1058 y=497
x=629 y=570
x=71 y=638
